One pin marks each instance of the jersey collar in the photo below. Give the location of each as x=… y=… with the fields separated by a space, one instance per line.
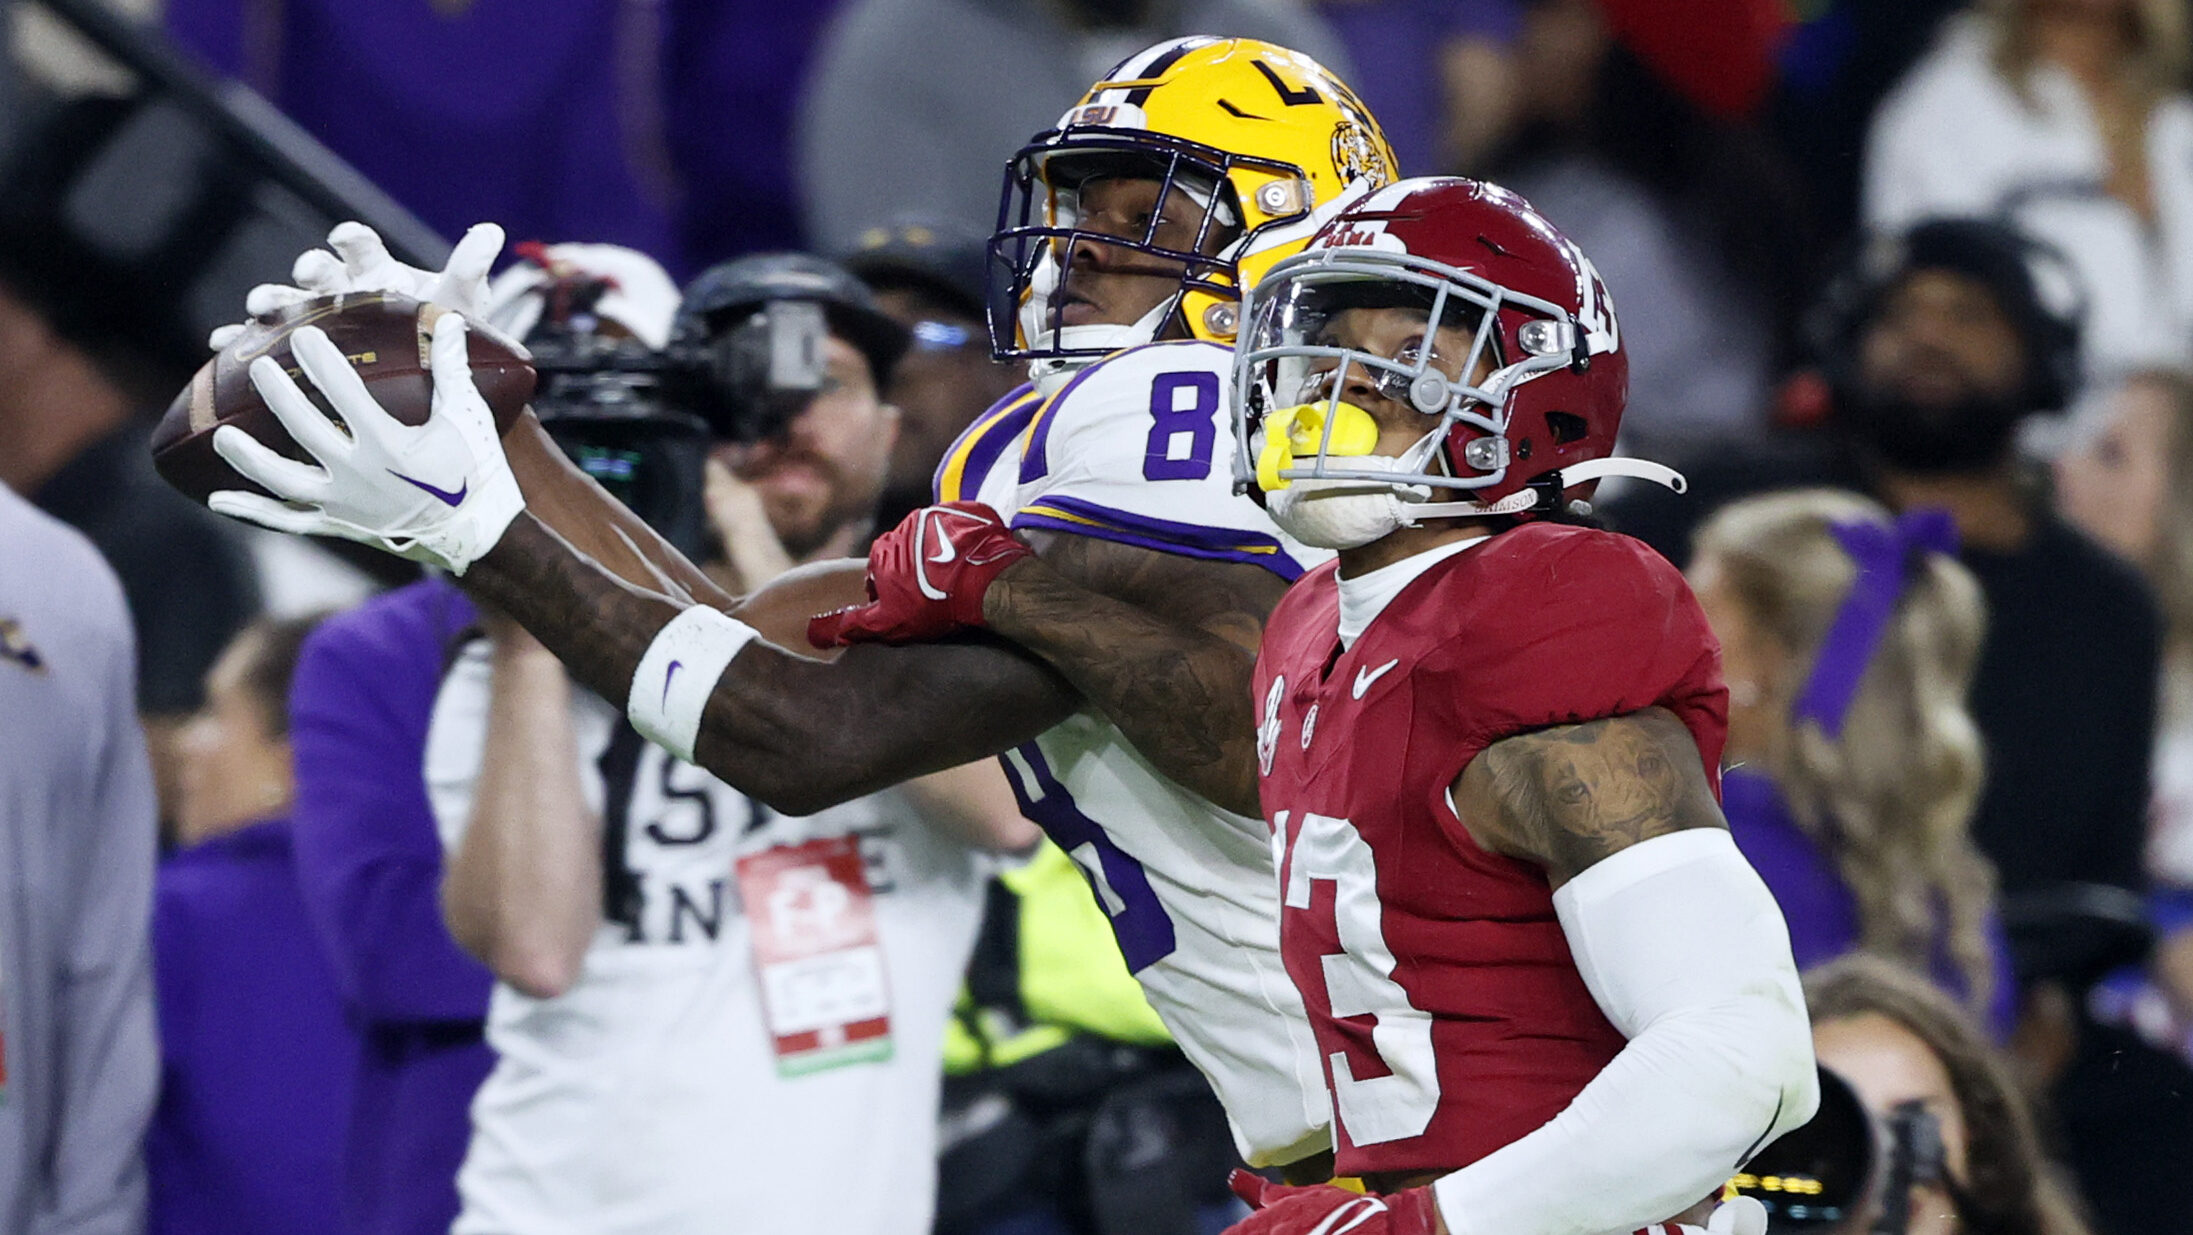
x=1366 y=596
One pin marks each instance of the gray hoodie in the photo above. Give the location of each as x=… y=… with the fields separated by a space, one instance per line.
x=77 y=837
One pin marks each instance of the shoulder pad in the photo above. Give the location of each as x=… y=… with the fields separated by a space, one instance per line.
x=1129 y=384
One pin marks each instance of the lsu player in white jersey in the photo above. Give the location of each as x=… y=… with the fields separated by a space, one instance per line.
x=1115 y=441
x=1126 y=236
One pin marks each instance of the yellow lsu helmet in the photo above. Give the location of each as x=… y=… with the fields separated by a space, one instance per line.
x=1261 y=137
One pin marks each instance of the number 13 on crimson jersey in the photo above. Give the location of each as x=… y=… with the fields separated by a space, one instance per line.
x=1449 y=1013
x=1385 y=1081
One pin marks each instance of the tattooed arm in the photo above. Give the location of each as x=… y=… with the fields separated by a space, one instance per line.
x=1566 y=797
x=1164 y=645
x=796 y=733
x=1685 y=952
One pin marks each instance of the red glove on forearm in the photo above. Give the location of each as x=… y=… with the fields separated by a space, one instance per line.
x=926 y=578
x=1322 y=1209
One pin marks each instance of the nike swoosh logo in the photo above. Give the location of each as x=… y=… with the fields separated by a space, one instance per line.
x=446 y=497
x=946 y=551
x=668 y=674
x=1364 y=677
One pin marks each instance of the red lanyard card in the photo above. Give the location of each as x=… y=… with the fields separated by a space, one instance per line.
x=824 y=989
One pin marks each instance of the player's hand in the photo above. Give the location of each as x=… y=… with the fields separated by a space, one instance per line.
x=440 y=492
x=742 y=526
x=360 y=262
x=926 y=578
x=1321 y=1209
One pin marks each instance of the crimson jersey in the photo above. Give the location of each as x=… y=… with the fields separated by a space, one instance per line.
x=1446 y=1004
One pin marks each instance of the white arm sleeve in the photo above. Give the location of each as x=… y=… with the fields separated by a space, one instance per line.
x=1685 y=951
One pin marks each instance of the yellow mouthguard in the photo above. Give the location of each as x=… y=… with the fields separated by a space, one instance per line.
x=1292 y=434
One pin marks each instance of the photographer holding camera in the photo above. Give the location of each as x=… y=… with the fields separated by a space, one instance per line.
x=1921 y=1130
x=707 y=1016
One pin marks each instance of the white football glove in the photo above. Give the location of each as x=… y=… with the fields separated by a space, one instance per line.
x=361 y=263
x=440 y=493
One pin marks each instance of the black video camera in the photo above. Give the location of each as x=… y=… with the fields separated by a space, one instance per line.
x=1843 y=1173
x=745 y=383
x=606 y=401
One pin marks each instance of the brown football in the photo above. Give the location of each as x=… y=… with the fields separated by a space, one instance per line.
x=386 y=337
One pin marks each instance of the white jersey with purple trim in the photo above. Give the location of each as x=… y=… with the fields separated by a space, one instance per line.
x=1137 y=448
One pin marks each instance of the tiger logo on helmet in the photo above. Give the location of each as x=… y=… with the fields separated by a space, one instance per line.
x=1265 y=140
x=1357 y=155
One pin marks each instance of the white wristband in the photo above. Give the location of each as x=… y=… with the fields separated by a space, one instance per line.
x=678 y=672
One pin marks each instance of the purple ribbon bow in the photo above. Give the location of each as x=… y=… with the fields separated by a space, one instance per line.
x=1881 y=555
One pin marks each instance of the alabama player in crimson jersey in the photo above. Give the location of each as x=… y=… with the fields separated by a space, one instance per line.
x=1550 y=996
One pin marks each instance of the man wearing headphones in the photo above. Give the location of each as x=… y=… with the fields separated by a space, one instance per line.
x=1937 y=349
x=1935 y=344
x=708 y=1016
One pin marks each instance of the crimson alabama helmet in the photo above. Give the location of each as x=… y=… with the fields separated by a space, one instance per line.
x=1471 y=255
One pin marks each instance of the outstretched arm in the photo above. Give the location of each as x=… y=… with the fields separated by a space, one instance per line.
x=1164 y=645
x=596 y=524
x=796 y=733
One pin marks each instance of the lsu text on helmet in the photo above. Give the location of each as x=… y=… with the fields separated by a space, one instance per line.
x=1259 y=136
x=1477 y=259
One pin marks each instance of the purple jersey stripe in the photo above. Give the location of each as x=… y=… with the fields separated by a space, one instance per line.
x=1167 y=529
x=949 y=484
x=1272 y=559
x=992 y=444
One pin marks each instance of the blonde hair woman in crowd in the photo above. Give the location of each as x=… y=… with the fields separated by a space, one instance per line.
x=1849 y=639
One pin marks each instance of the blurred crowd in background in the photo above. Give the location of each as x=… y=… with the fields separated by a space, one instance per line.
x=1875 y=259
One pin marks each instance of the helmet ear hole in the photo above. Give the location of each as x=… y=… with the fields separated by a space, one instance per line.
x=1567 y=427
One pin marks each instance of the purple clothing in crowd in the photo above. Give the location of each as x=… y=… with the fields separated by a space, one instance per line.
x=370 y=865
x=258 y=1058
x=1398 y=47
x=545 y=118
x=1820 y=909
x=736 y=72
